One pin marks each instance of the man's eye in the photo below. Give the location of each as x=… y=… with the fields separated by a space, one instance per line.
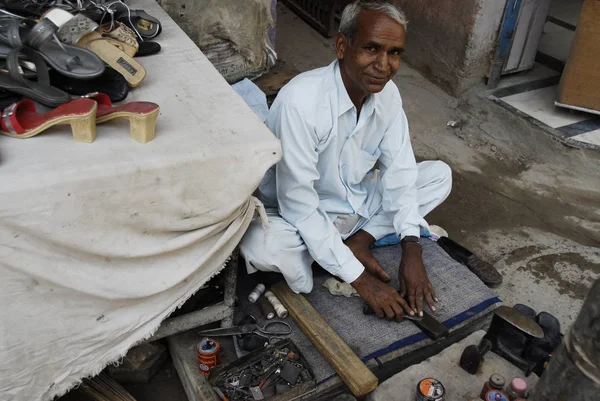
x=371 y=49
x=395 y=53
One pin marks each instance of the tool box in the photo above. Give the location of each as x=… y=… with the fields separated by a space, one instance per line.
x=277 y=372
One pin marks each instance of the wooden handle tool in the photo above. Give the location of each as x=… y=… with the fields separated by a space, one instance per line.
x=359 y=379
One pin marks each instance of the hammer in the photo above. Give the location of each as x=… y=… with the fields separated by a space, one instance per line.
x=472 y=356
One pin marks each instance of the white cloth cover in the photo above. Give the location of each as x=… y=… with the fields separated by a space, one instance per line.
x=100 y=242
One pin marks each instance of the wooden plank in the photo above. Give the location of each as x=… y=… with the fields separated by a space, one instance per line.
x=359 y=379
x=179 y=324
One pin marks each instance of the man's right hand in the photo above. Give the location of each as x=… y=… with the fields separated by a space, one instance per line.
x=383 y=299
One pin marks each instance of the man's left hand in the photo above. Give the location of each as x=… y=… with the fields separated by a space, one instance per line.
x=414 y=283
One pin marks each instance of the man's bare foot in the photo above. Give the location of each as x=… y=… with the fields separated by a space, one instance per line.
x=383 y=299
x=359 y=243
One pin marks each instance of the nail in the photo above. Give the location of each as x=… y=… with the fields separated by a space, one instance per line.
x=433 y=308
x=436 y=300
x=412 y=313
x=421 y=314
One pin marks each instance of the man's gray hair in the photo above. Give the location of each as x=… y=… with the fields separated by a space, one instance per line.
x=349 y=22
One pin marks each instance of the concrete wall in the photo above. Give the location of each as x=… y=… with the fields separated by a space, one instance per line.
x=451 y=41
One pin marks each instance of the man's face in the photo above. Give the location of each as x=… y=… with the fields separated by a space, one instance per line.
x=374 y=55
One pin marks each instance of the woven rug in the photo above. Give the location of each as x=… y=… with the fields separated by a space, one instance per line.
x=462 y=297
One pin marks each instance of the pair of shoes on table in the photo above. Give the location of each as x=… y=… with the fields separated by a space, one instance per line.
x=21 y=120
x=28 y=48
x=103 y=12
x=73 y=46
x=115 y=44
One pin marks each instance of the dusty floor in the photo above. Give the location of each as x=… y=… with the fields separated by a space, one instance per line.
x=526 y=203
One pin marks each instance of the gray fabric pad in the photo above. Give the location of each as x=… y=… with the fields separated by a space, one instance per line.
x=462 y=296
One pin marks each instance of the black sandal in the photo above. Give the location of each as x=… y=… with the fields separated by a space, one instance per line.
x=69 y=60
x=39 y=90
x=110 y=82
x=146 y=25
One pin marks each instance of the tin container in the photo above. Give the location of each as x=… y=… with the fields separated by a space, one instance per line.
x=208 y=355
x=495 y=382
x=496 y=395
x=430 y=390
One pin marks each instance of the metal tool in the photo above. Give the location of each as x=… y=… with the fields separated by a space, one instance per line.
x=267 y=331
x=367 y=310
x=506 y=321
x=473 y=355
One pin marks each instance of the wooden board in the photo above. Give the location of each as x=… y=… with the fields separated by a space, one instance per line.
x=359 y=379
x=580 y=82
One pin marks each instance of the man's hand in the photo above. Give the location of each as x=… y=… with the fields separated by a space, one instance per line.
x=413 y=278
x=383 y=299
x=360 y=243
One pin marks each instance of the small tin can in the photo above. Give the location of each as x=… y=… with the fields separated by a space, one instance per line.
x=496 y=395
x=430 y=390
x=208 y=355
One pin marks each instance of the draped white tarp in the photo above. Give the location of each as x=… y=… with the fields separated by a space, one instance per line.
x=100 y=242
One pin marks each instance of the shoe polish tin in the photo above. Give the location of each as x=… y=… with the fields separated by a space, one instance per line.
x=430 y=390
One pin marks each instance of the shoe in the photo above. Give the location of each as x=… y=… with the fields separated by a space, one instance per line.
x=21 y=120
x=110 y=82
x=540 y=349
x=14 y=80
x=141 y=115
x=147 y=49
x=482 y=269
x=69 y=60
x=82 y=32
x=140 y=21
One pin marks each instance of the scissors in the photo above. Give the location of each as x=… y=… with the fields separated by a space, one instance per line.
x=266 y=331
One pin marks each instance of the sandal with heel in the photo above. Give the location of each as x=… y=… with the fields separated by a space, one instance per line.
x=82 y=32
x=141 y=115
x=21 y=120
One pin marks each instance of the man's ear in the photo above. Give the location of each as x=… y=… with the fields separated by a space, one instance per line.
x=341 y=45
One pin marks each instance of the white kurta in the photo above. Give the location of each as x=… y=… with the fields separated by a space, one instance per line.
x=327 y=175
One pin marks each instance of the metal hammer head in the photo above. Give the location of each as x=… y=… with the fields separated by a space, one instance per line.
x=472 y=356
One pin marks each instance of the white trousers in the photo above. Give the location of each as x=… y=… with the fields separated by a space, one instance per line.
x=280 y=248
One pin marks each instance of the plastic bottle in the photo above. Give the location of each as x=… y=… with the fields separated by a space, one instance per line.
x=516 y=389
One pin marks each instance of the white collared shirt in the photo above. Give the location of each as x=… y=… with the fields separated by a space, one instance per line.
x=328 y=158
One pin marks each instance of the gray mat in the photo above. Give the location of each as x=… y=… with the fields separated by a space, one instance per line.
x=462 y=296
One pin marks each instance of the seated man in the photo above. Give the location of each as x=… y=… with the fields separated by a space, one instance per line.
x=325 y=200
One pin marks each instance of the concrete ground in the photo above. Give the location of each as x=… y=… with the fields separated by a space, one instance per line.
x=459 y=384
x=524 y=202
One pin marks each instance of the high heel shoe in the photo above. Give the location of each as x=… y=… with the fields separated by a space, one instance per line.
x=141 y=115
x=21 y=120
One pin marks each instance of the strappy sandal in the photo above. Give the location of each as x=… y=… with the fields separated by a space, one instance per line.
x=81 y=31
x=69 y=60
x=120 y=36
x=141 y=115
x=21 y=120
x=41 y=91
x=146 y=25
